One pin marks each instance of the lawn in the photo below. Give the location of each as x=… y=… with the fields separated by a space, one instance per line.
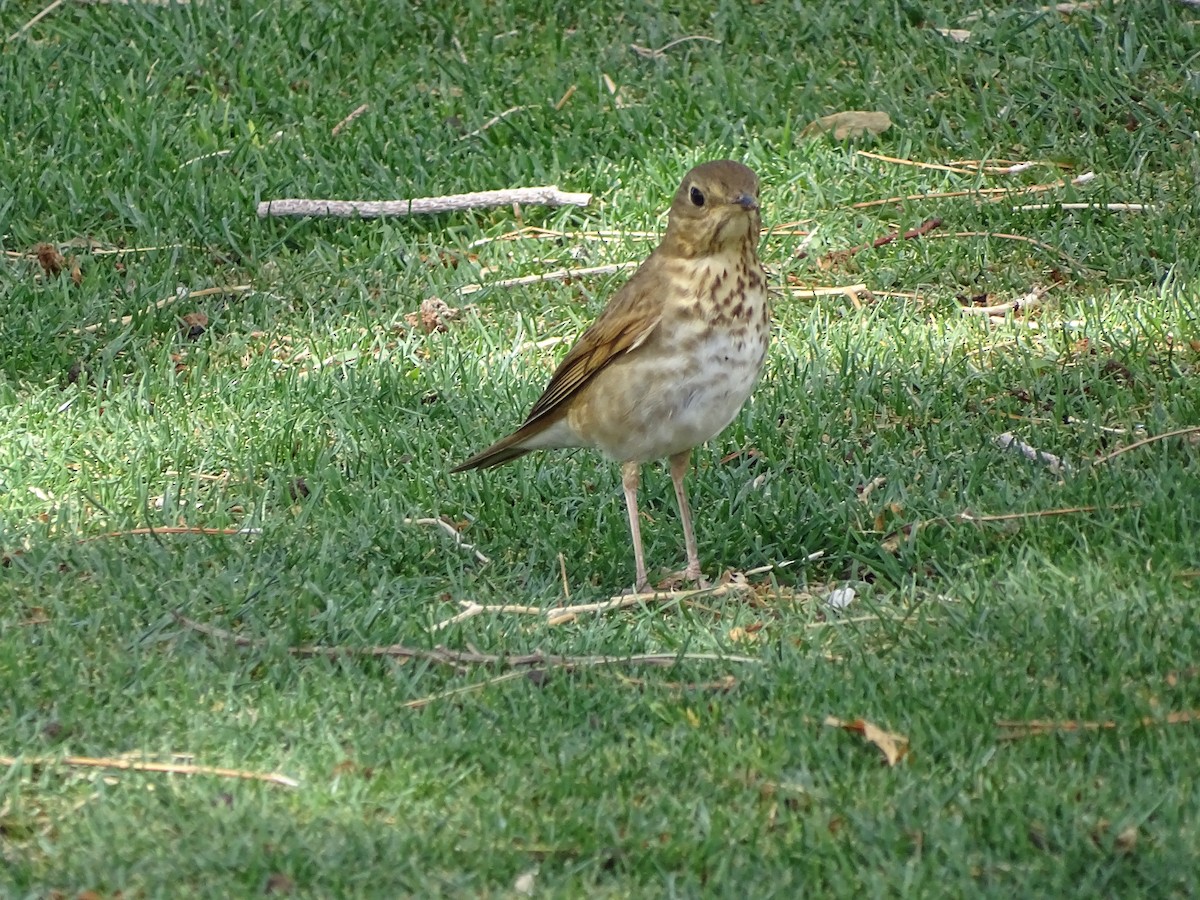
x=229 y=538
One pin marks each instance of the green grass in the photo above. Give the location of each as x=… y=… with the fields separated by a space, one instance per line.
x=619 y=781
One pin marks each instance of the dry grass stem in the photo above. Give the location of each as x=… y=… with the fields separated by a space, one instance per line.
x=459 y=659
x=180 y=294
x=133 y=765
x=350 y=118
x=1142 y=443
x=467 y=689
x=990 y=194
x=1005 y=236
x=1015 y=729
x=1036 y=514
x=556 y=275
x=41 y=15
x=1111 y=207
x=567 y=95
x=494 y=120
x=850 y=290
x=454 y=533
x=661 y=52
x=559 y=615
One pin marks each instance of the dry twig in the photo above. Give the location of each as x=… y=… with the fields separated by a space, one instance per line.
x=468 y=689
x=548 y=195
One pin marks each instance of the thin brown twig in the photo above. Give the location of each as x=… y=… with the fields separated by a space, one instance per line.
x=1015 y=729
x=907 y=531
x=460 y=658
x=350 y=118
x=1009 y=163
x=1144 y=441
x=967 y=166
x=722 y=685
x=559 y=615
x=134 y=765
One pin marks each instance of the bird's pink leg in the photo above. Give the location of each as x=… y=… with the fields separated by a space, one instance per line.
x=630 y=476
x=679 y=467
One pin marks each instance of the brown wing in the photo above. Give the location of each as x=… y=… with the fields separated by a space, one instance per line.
x=624 y=325
x=628 y=320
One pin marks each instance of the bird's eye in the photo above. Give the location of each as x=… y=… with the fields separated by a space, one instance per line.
x=697 y=196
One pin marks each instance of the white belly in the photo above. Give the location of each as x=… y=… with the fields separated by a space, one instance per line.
x=669 y=403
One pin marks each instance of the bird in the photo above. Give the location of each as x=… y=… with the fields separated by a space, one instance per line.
x=672 y=358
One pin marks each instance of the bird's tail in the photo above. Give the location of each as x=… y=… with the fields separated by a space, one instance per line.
x=499 y=453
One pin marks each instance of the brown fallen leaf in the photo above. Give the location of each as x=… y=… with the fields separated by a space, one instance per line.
x=852 y=123
x=894 y=746
x=279 y=883
x=747 y=635
x=1122 y=842
x=433 y=316
x=51 y=260
x=193 y=325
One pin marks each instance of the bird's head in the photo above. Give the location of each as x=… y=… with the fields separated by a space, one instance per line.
x=715 y=209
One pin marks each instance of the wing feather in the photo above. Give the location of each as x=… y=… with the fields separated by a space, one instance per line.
x=624 y=325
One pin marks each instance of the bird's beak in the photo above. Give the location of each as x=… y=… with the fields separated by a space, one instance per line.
x=746 y=202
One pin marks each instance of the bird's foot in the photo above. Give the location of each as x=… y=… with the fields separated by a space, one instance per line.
x=674 y=581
